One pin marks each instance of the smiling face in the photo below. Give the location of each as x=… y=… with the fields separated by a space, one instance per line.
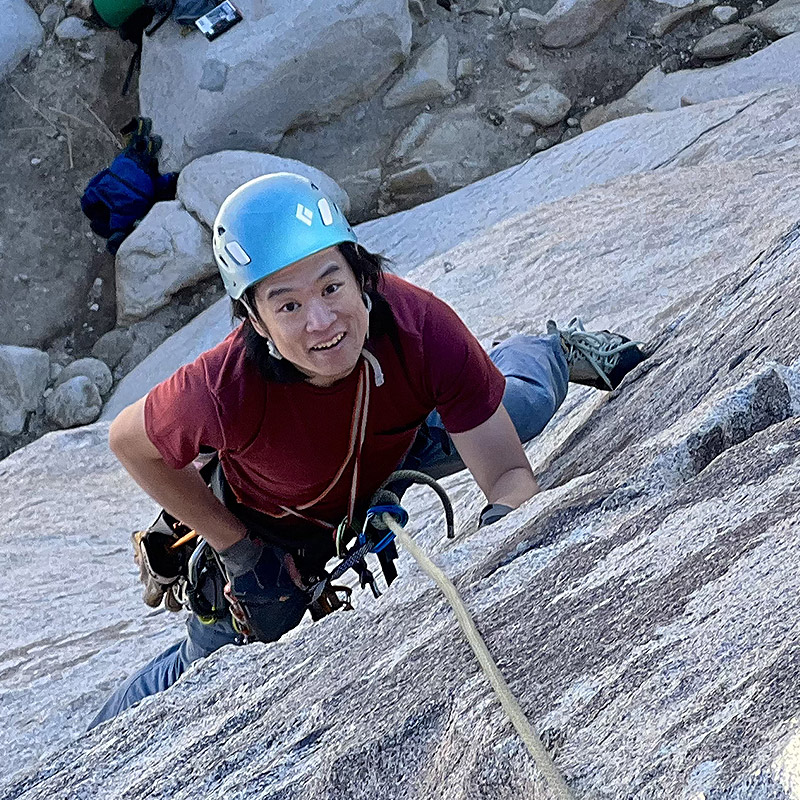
x=314 y=313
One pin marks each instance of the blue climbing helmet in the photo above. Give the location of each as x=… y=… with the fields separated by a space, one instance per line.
x=271 y=222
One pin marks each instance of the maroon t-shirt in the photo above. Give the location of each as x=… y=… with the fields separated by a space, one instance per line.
x=282 y=443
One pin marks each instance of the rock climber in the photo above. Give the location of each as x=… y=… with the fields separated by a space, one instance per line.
x=338 y=373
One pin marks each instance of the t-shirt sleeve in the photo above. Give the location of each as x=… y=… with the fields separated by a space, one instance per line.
x=467 y=387
x=181 y=415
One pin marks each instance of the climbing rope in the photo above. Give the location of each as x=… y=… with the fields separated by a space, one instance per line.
x=540 y=756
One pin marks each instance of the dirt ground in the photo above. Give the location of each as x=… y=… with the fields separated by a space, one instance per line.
x=60 y=112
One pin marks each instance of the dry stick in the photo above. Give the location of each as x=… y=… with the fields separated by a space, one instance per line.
x=69 y=145
x=105 y=127
x=73 y=118
x=34 y=107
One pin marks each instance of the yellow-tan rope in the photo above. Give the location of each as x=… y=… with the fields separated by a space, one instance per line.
x=515 y=713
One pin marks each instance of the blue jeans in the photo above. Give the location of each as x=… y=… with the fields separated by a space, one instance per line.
x=536 y=384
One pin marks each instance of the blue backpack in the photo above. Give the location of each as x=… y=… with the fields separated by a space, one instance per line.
x=120 y=195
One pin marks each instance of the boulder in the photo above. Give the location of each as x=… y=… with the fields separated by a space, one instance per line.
x=780 y=19
x=544 y=106
x=775 y=66
x=283 y=66
x=74 y=402
x=207 y=181
x=24 y=375
x=92 y=368
x=724 y=42
x=20 y=33
x=169 y=250
x=427 y=80
x=570 y=23
x=725 y=14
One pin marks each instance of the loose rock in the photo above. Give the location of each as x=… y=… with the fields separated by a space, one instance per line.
x=725 y=14
x=24 y=375
x=520 y=61
x=112 y=346
x=51 y=15
x=92 y=368
x=426 y=81
x=490 y=8
x=616 y=110
x=525 y=19
x=169 y=250
x=76 y=402
x=74 y=28
x=465 y=68
x=723 y=42
x=544 y=106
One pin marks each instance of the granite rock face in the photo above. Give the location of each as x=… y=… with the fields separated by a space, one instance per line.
x=761 y=125
x=642 y=607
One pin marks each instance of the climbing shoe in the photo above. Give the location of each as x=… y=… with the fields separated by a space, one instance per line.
x=596 y=358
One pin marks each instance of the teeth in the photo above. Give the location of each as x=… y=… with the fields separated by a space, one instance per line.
x=327 y=345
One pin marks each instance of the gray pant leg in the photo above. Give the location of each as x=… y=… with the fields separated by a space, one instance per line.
x=537 y=379
x=162 y=671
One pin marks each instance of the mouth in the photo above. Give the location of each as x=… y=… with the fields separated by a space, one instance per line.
x=330 y=344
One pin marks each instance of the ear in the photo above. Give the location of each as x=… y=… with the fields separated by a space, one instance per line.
x=259 y=327
x=255 y=321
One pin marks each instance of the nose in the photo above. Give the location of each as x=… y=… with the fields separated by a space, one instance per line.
x=319 y=316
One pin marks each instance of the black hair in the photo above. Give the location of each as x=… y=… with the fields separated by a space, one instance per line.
x=368 y=268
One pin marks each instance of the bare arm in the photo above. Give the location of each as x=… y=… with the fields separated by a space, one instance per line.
x=182 y=492
x=493 y=454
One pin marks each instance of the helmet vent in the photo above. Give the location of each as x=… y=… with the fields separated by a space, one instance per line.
x=237 y=253
x=325 y=212
x=220 y=230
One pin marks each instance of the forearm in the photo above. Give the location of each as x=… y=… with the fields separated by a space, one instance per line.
x=513 y=487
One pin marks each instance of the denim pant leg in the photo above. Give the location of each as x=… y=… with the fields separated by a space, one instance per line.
x=162 y=671
x=537 y=379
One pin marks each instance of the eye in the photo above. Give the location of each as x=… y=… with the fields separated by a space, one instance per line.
x=289 y=307
x=331 y=288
